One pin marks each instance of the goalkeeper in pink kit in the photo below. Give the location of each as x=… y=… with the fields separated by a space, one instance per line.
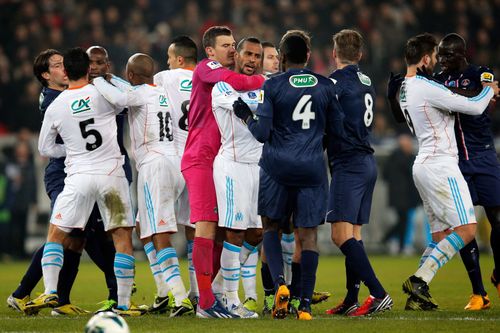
x=202 y=145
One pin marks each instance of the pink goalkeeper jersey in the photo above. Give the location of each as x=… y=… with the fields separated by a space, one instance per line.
x=203 y=141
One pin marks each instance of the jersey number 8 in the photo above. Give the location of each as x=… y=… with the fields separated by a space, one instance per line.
x=369 y=110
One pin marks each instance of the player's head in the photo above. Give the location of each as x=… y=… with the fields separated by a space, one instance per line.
x=182 y=53
x=140 y=69
x=48 y=68
x=347 y=47
x=248 y=56
x=270 y=60
x=295 y=49
x=99 y=61
x=451 y=53
x=76 y=64
x=421 y=51
x=219 y=45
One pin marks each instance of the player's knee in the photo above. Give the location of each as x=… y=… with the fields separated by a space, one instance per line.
x=338 y=239
x=254 y=236
x=466 y=232
x=235 y=237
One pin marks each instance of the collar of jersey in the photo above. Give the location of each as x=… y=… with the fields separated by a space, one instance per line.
x=83 y=85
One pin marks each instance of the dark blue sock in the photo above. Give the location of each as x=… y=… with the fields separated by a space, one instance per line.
x=102 y=253
x=470 y=258
x=267 y=279
x=295 y=287
x=352 y=283
x=67 y=275
x=32 y=276
x=272 y=246
x=360 y=265
x=309 y=266
x=495 y=246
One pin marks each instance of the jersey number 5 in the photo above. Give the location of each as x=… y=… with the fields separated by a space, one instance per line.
x=91 y=132
x=303 y=111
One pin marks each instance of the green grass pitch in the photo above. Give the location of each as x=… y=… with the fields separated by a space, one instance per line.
x=450 y=288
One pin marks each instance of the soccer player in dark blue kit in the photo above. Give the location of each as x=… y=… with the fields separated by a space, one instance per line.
x=478 y=160
x=354 y=174
x=291 y=122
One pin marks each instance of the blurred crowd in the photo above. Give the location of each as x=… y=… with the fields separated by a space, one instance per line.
x=126 y=27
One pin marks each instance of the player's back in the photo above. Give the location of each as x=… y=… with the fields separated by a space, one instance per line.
x=299 y=100
x=86 y=122
x=177 y=84
x=473 y=133
x=356 y=95
x=150 y=119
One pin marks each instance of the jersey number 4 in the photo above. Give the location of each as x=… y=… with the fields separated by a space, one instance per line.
x=91 y=132
x=303 y=111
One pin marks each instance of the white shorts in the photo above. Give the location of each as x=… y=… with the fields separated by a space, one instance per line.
x=81 y=191
x=237 y=189
x=445 y=195
x=182 y=210
x=159 y=185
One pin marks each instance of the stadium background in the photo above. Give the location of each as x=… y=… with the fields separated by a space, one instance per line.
x=126 y=27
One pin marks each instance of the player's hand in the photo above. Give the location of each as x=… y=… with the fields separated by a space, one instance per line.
x=108 y=77
x=241 y=110
x=422 y=71
x=393 y=85
x=492 y=85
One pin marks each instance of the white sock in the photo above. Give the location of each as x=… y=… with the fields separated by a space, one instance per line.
x=288 y=248
x=426 y=253
x=249 y=256
x=230 y=268
x=52 y=261
x=161 y=285
x=193 y=284
x=442 y=253
x=124 y=271
x=167 y=259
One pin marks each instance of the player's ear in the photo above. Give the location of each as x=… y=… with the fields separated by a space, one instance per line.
x=209 y=51
x=46 y=75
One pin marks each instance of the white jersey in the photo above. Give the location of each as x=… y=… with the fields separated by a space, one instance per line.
x=149 y=114
x=86 y=122
x=427 y=107
x=177 y=84
x=237 y=143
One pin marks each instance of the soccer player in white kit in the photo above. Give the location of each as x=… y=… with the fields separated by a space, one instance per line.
x=236 y=178
x=177 y=83
x=160 y=182
x=426 y=105
x=86 y=123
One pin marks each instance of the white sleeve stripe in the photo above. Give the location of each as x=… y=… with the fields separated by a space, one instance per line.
x=434 y=83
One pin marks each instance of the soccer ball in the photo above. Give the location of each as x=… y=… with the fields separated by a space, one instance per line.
x=106 y=322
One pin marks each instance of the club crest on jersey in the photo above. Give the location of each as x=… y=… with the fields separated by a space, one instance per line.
x=364 y=79
x=163 y=101
x=465 y=82
x=186 y=85
x=252 y=95
x=214 y=64
x=80 y=105
x=303 y=80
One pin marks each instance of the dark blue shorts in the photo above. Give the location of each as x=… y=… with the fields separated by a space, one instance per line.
x=351 y=190
x=482 y=175
x=54 y=179
x=307 y=204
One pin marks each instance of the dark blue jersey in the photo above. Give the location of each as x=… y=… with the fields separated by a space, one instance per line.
x=473 y=133
x=47 y=96
x=356 y=95
x=298 y=102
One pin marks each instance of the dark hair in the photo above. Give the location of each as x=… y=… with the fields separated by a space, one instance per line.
x=267 y=44
x=76 y=63
x=348 y=45
x=294 y=49
x=212 y=33
x=186 y=48
x=253 y=40
x=41 y=65
x=419 y=46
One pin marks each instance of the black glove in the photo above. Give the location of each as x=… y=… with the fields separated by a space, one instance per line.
x=394 y=84
x=241 y=110
x=422 y=71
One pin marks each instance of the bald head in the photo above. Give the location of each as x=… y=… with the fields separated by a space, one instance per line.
x=140 y=69
x=451 y=53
